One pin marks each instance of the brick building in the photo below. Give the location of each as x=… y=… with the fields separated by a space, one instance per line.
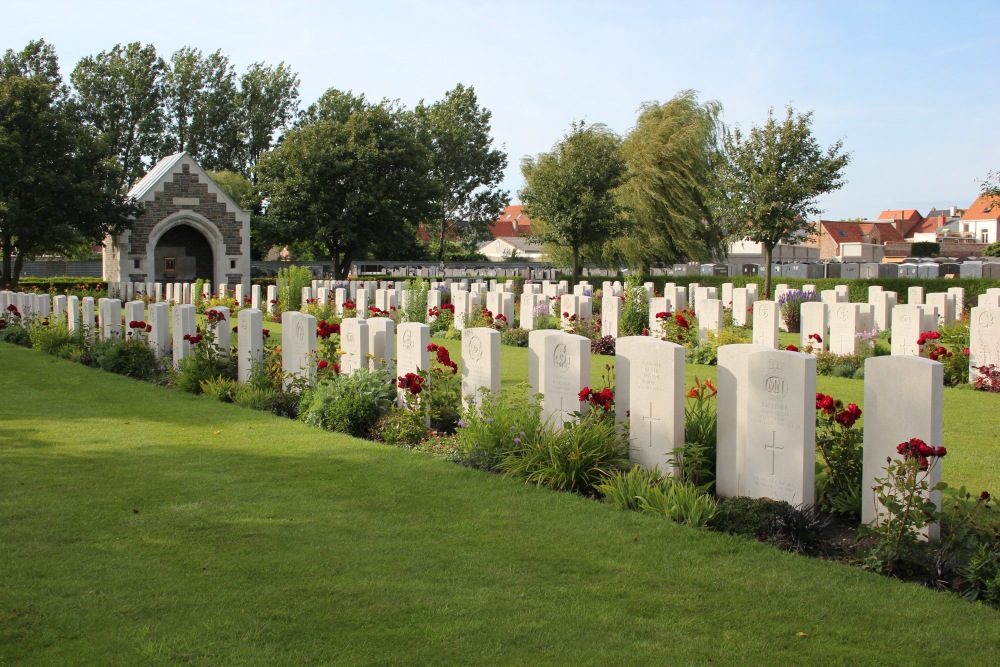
x=190 y=229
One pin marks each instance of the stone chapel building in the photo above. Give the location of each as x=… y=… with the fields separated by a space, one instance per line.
x=190 y=229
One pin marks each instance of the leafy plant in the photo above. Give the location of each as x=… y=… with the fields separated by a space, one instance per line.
x=905 y=507
x=801 y=529
x=416 y=301
x=626 y=489
x=790 y=305
x=575 y=459
x=635 y=309
x=707 y=351
x=349 y=404
x=604 y=345
x=220 y=389
x=130 y=357
x=838 y=481
x=290 y=284
x=500 y=425
x=515 y=337
x=680 y=502
x=750 y=517
x=695 y=460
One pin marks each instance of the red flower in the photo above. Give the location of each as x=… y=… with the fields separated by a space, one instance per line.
x=985 y=496
x=824 y=403
x=965 y=351
x=323 y=363
x=662 y=315
x=792 y=348
x=149 y=328
x=584 y=394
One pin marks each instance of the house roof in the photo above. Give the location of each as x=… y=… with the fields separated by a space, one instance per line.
x=167 y=167
x=930 y=224
x=512 y=222
x=857 y=232
x=986 y=207
x=902 y=214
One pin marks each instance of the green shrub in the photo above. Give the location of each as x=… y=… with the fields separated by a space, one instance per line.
x=578 y=458
x=707 y=352
x=751 y=517
x=50 y=339
x=515 y=337
x=981 y=575
x=132 y=358
x=16 y=335
x=635 y=310
x=500 y=425
x=838 y=365
x=801 y=529
x=400 y=427
x=349 y=404
x=626 y=489
x=925 y=249
x=416 y=301
x=205 y=363
x=290 y=284
x=680 y=502
x=220 y=389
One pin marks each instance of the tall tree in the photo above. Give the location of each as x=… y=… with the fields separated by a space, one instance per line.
x=202 y=101
x=671 y=155
x=352 y=178
x=465 y=167
x=269 y=101
x=58 y=178
x=120 y=92
x=772 y=178
x=570 y=191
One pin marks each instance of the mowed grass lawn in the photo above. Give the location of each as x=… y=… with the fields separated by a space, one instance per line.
x=140 y=526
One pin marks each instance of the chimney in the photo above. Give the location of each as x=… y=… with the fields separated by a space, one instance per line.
x=954 y=211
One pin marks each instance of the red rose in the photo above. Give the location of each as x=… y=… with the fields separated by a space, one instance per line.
x=323 y=363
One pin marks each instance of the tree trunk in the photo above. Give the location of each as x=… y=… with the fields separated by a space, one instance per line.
x=768 y=248
x=6 y=262
x=576 y=266
x=15 y=276
x=444 y=231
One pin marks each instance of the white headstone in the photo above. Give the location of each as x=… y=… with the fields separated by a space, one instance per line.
x=566 y=371
x=654 y=372
x=354 y=343
x=945 y=304
x=250 y=341
x=743 y=300
x=110 y=312
x=843 y=327
x=781 y=427
x=959 y=294
x=411 y=347
x=984 y=339
x=480 y=362
x=183 y=316
x=915 y=295
x=382 y=343
x=255 y=297
x=884 y=303
x=765 y=324
x=731 y=408
x=709 y=318
x=298 y=345
x=135 y=311
x=159 y=322
x=536 y=354
x=87 y=316
x=223 y=328
x=813 y=322
x=272 y=299
x=611 y=313
x=906 y=329
x=72 y=313
x=903 y=400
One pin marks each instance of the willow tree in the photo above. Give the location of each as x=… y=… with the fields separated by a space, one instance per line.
x=772 y=179
x=570 y=191
x=671 y=155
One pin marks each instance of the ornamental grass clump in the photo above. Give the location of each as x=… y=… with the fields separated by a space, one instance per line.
x=577 y=458
x=625 y=489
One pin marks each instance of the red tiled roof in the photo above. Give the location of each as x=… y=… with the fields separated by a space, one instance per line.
x=904 y=214
x=986 y=207
x=512 y=222
x=929 y=225
x=861 y=232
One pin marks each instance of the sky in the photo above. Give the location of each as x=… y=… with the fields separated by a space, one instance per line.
x=909 y=87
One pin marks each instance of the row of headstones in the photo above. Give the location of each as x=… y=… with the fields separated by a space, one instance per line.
x=184 y=293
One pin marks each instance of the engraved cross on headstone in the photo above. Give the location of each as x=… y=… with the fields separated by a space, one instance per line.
x=650 y=418
x=773 y=447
